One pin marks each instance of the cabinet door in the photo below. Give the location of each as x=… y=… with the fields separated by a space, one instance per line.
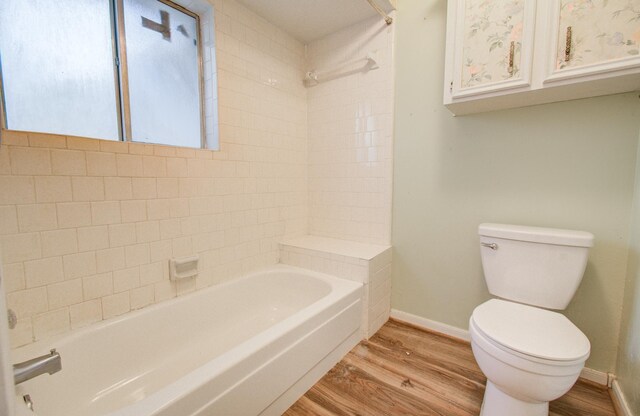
x=493 y=45
x=594 y=36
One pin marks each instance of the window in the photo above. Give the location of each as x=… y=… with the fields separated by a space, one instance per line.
x=117 y=70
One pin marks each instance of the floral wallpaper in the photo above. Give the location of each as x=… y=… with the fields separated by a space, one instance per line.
x=602 y=30
x=489 y=28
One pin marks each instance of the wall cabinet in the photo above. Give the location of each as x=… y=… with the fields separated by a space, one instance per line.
x=514 y=53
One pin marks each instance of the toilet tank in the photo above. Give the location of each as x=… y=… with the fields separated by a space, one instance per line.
x=532 y=265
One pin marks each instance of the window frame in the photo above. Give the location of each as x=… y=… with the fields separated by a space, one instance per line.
x=121 y=80
x=3 y=116
x=121 y=68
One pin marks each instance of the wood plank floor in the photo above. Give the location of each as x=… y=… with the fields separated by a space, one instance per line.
x=403 y=370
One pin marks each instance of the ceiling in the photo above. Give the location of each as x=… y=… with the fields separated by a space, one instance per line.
x=308 y=20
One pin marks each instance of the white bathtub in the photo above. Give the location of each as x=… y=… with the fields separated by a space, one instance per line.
x=248 y=347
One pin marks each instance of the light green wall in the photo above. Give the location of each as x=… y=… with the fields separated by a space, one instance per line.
x=628 y=368
x=568 y=165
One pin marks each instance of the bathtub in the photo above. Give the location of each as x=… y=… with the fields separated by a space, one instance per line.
x=251 y=346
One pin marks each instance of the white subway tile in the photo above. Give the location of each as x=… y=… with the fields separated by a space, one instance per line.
x=20 y=247
x=68 y=162
x=133 y=211
x=74 y=214
x=184 y=152
x=97 y=286
x=79 y=265
x=43 y=272
x=65 y=293
x=142 y=296
x=59 y=242
x=53 y=189
x=30 y=161
x=144 y=188
x=17 y=190
x=126 y=279
x=14 y=277
x=117 y=189
x=185 y=286
x=93 y=238
x=101 y=164
x=115 y=305
x=179 y=207
x=154 y=166
x=141 y=149
x=165 y=290
x=153 y=272
x=5 y=160
x=110 y=259
x=87 y=188
x=37 y=217
x=177 y=167
x=29 y=302
x=122 y=234
x=129 y=165
x=47 y=140
x=8 y=220
x=137 y=254
x=158 y=209
x=81 y=143
x=22 y=334
x=164 y=150
x=168 y=188
x=15 y=138
x=182 y=247
x=111 y=146
x=85 y=313
x=147 y=231
x=107 y=212
x=51 y=323
x=160 y=250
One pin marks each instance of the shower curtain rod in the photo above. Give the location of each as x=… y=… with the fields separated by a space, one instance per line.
x=388 y=20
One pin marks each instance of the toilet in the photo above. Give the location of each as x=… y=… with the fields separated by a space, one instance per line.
x=529 y=353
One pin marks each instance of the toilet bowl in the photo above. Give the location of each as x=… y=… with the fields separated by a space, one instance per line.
x=530 y=356
x=529 y=353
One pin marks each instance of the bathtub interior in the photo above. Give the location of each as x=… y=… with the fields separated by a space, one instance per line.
x=115 y=364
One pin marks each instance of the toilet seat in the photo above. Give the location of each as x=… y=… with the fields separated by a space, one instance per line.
x=532 y=333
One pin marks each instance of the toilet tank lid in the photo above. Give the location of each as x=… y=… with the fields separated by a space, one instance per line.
x=537 y=234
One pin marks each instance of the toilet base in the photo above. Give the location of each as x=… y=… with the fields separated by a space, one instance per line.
x=498 y=403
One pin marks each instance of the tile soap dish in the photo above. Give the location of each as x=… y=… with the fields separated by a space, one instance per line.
x=183 y=268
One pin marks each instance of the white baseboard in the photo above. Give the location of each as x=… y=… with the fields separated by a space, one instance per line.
x=619 y=397
x=435 y=326
x=587 y=373
x=595 y=376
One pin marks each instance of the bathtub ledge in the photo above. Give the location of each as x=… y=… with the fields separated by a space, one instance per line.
x=369 y=264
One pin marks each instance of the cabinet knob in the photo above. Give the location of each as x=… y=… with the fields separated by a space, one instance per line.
x=567 y=47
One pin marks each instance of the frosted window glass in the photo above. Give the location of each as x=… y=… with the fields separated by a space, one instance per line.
x=58 y=67
x=164 y=79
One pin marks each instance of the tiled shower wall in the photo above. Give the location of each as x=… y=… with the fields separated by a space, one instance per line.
x=350 y=134
x=87 y=226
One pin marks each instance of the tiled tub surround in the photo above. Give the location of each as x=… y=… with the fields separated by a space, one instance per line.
x=369 y=264
x=87 y=226
x=351 y=134
x=247 y=347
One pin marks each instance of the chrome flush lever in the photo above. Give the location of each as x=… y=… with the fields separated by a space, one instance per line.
x=492 y=246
